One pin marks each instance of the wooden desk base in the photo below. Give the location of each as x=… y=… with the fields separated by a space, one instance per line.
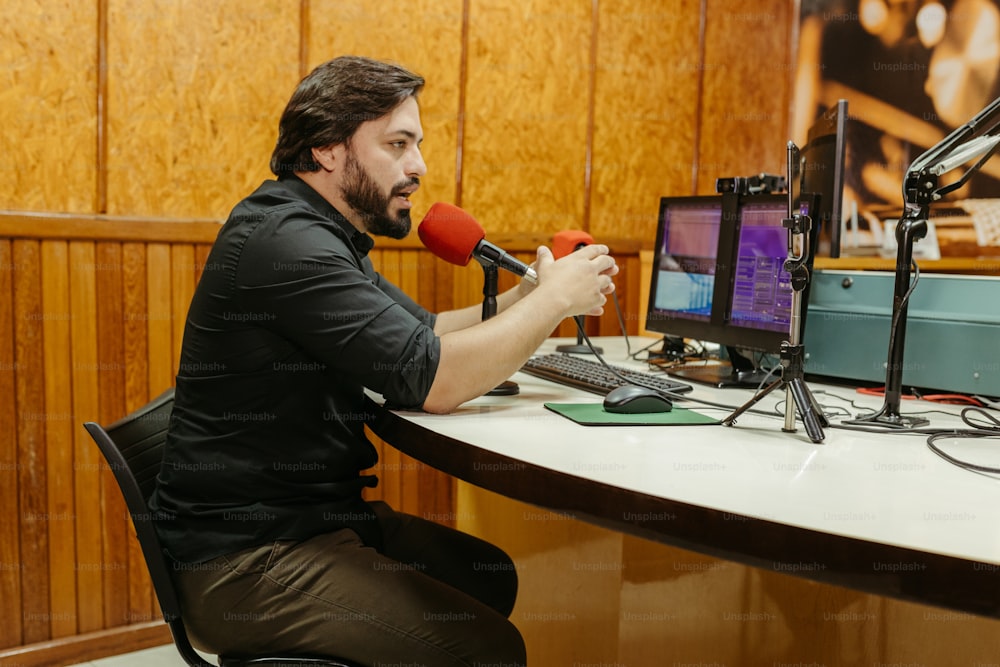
x=592 y=596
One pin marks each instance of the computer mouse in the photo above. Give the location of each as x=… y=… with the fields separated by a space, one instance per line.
x=633 y=400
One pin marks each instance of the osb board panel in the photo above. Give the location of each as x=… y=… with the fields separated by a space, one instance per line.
x=195 y=89
x=48 y=105
x=526 y=130
x=645 y=113
x=10 y=561
x=387 y=32
x=748 y=65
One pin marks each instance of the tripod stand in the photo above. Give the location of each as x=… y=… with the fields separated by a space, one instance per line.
x=797 y=394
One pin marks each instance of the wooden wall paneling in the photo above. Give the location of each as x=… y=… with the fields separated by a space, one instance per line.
x=31 y=452
x=383 y=31
x=645 y=278
x=59 y=425
x=608 y=324
x=136 y=315
x=158 y=315
x=645 y=117
x=409 y=269
x=182 y=278
x=159 y=324
x=83 y=378
x=10 y=540
x=86 y=647
x=192 y=120
x=141 y=601
x=48 y=103
x=430 y=287
x=525 y=150
x=746 y=90
x=626 y=291
x=117 y=529
x=468 y=285
x=386 y=262
x=110 y=314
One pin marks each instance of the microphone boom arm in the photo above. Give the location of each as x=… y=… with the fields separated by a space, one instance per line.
x=920 y=189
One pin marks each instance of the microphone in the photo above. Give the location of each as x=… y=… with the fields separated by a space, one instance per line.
x=569 y=240
x=456 y=237
x=563 y=243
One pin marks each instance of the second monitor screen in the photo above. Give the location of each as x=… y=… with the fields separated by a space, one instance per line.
x=762 y=288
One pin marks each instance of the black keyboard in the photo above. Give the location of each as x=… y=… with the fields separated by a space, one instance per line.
x=591 y=375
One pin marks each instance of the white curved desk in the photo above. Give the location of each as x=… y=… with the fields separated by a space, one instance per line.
x=879 y=512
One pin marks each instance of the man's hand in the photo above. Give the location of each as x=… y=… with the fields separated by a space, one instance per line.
x=580 y=281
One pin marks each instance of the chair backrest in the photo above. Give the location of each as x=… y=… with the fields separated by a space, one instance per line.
x=133 y=448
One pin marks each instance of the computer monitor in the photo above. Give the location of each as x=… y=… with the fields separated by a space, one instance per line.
x=719 y=277
x=822 y=173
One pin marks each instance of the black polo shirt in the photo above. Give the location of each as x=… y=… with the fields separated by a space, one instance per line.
x=288 y=324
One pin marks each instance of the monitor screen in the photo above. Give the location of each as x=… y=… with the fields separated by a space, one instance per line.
x=822 y=173
x=719 y=277
x=684 y=265
x=762 y=288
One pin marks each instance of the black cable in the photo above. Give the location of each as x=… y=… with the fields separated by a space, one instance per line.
x=633 y=355
x=621 y=324
x=989 y=429
x=974 y=467
x=669 y=394
x=898 y=311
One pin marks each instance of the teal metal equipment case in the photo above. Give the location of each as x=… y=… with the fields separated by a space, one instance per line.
x=952 y=330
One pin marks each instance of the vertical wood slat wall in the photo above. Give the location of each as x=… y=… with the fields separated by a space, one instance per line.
x=538 y=116
x=91 y=319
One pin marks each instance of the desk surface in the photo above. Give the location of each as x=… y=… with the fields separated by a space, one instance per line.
x=875 y=512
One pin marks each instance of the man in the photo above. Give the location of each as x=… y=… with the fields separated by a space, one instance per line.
x=260 y=489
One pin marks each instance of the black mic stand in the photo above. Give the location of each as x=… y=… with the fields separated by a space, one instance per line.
x=490 y=288
x=797 y=394
x=910 y=228
x=580 y=347
x=920 y=189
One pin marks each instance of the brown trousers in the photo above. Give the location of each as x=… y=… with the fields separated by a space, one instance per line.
x=433 y=597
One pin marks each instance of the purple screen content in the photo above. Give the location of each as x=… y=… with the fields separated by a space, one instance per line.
x=762 y=288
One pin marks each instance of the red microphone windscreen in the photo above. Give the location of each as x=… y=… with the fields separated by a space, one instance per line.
x=450 y=233
x=568 y=240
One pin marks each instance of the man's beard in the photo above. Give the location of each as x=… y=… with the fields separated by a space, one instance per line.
x=363 y=196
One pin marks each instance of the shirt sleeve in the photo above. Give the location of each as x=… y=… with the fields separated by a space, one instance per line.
x=301 y=280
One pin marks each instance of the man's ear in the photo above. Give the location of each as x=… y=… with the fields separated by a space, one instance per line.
x=327 y=157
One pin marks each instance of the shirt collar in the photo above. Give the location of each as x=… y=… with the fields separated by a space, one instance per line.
x=362 y=242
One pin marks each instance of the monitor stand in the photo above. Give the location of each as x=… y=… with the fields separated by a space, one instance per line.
x=740 y=371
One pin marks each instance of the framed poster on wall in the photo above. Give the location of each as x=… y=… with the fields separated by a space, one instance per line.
x=912 y=71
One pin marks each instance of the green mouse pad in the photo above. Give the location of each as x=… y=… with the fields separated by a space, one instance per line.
x=593 y=414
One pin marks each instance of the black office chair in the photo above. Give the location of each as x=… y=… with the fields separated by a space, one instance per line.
x=133 y=447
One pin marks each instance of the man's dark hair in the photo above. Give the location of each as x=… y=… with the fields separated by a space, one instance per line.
x=332 y=101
